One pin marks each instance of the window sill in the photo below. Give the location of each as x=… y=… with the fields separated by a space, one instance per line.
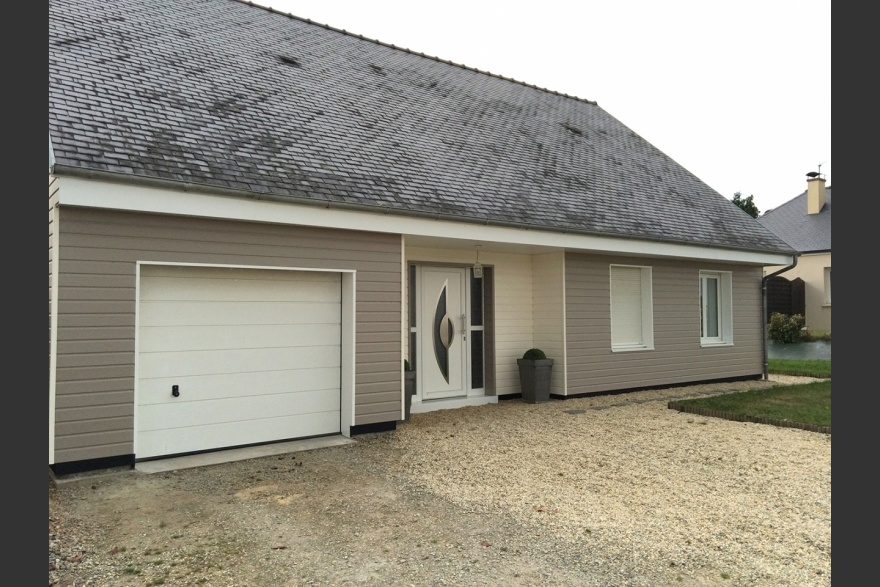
x=630 y=349
x=715 y=344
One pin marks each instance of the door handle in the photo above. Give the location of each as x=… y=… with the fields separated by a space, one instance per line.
x=464 y=327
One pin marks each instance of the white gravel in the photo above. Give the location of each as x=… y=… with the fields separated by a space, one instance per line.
x=642 y=485
x=612 y=490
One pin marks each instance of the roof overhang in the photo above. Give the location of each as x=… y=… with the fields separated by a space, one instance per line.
x=177 y=199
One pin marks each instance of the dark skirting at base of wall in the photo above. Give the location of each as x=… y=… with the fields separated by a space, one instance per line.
x=370 y=428
x=653 y=387
x=86 y=465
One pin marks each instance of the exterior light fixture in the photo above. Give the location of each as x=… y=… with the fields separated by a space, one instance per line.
x=478 y=269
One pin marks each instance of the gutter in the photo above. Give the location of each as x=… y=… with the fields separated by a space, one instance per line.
x=764 y=281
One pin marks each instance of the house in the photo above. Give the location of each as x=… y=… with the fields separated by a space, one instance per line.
x=254 y=219
x=804 y=222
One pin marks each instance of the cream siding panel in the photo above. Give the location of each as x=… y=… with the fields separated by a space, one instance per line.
x=514 y=326
x=677 y=356
x=514 y=323
x=549 y=313
x=98 y=295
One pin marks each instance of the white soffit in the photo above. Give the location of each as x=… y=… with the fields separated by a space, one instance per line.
x=76 y=191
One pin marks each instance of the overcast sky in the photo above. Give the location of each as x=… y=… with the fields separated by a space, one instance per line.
x=738 y=93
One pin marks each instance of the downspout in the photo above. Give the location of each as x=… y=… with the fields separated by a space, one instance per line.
x=764 y=281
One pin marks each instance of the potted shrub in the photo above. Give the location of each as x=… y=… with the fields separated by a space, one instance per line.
x=534 y=376
x=409 y=387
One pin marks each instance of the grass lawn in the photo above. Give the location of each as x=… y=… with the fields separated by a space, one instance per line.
x=820 y=368
x=808 y=403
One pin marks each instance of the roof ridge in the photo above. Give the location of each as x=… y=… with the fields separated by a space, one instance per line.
x=411 y=52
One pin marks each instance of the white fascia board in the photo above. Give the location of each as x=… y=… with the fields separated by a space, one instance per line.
x=51 y=155
x=76 y=191
x=53 y=337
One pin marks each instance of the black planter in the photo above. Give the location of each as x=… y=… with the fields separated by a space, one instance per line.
x=534 y=378
x=409 y=390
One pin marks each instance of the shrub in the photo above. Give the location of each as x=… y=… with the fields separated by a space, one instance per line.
x=534 y=355
x=784 y=328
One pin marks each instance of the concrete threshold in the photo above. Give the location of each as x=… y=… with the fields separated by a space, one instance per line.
x=239 y=454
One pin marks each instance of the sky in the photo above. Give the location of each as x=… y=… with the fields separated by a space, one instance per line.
x=738 y=93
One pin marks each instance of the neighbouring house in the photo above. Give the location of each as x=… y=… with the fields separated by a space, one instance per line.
x=255 y=219
x=804 y=222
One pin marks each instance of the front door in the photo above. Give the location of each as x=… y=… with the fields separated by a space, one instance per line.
x=442 y=364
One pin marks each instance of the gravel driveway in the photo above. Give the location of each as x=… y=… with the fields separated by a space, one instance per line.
x=613 y=490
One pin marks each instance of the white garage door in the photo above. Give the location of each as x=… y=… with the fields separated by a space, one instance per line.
x=229 y=357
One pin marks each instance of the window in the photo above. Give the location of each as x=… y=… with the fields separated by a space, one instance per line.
x=476 y=330
x=632 y=314
x=828 y=286
x=716 y=308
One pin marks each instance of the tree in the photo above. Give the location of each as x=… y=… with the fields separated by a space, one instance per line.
x=747 y=204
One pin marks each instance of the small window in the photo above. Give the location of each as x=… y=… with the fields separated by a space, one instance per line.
x=716 y=308
x=632 y=314
x=828 y=286
x=476 y=331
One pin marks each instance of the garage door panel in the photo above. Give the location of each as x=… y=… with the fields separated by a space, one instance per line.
x=226 y=385
x=318 y=287
x=182 y=313
x=184 y=338
x=254 y=361
x=256 y=356
x=206 y=437
x=182 y=413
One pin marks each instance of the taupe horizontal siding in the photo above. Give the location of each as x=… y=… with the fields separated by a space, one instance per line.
x=375 y=338
x=96 y=418
x=677 y=356
x=374 y=413
x=375 y=383
x=96 y=302
x=116 y=442
x=103 y=333
x=85 y=394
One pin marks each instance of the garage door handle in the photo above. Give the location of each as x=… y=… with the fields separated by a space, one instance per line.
x=175 y=391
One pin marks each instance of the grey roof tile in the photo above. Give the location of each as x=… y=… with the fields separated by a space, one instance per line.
x=229 y=95
x=806 y=233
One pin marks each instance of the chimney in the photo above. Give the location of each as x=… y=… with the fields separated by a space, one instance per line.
x=815 y=192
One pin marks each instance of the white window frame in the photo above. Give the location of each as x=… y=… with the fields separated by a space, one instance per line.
x=721 y=304
x=634 y=295
x=827 y=286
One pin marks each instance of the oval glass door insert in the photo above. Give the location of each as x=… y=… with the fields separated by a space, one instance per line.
x=444 y=334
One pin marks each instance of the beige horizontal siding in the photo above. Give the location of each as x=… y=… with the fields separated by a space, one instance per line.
x=96 y=309
x=677 y=356
x=376 y=413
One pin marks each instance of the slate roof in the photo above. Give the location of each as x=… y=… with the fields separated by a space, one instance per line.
x=224 y=94
x=806 y=233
